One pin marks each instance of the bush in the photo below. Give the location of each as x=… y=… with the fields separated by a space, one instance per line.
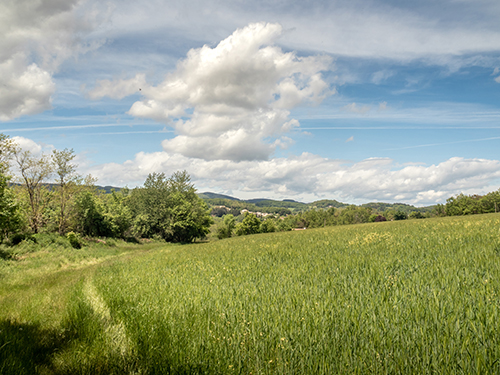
x=17 y=238
x=226 y=227
x=74 y=240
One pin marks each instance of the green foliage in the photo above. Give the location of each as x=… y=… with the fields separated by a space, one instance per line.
x=473 y=204
x=90 y=218
x=249 y=225
x=267 y=226
x=400 y=215
x=66 y=178
x=327 y=203
x=169 y=208
x=10 y=217
x=117 y=215
x=226 y=227
x=74 y=240
x=376 y=218
x=35 y=170
x=416 y=215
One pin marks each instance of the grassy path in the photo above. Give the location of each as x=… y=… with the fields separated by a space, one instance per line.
x=35 y=291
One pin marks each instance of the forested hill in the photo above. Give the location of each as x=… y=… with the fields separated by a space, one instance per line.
x=263 y=204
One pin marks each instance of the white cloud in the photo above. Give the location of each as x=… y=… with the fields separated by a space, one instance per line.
x=118 y=89
x=24 y=90
x=230 y=101
x=497 y=79
x=312 y=177
x=350 y=139
x=381 y=76
x=354 y=108
x=26 y=144
x=36 y=38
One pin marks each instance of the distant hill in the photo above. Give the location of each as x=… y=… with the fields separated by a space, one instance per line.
x=326 y=203
x=380 y=207
x=50 y=186
x=271 y=205
x=208 y=195
x=108 y=189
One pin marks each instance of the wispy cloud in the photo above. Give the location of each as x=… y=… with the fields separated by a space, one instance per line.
x=75 y=127
x=354 y=108
x=444 y=143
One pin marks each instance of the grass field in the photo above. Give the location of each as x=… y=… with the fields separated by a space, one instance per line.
x=408 y=297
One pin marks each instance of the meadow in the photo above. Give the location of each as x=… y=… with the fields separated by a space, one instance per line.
x=406 y=297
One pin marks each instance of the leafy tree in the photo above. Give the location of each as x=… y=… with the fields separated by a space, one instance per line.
x=267 y=226
x=34 y=172
x=439 y=210
x=416 y=215
x=400 y=215
x=169 y=208
x=10 y=217
x=226 y=227
x=376 y=218
x=463 y=205
x=117 y=215
x=90 y=219
x=249 y=225
x=491 y=202
x=66 y=178
x=7 y=151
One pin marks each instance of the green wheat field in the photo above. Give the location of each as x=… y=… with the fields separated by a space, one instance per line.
x=407 y=297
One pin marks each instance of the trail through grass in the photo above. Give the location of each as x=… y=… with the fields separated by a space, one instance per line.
x=415 y=297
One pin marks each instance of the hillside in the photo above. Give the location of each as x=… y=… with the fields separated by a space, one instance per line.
x=214 y=199
x=396 y=297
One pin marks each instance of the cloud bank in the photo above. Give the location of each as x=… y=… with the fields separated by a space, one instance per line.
x=312 y=177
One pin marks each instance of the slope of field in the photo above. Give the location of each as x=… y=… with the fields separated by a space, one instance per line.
x=409 y=297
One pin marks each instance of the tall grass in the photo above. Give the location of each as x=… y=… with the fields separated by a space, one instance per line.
x=414 y=297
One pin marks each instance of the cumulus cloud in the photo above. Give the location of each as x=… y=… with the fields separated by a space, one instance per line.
x=24 y=90
x=316 y=177
x=36 y=38
x=26 y=144
x=230 y=101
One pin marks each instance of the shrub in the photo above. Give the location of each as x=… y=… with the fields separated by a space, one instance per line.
x=74 y=240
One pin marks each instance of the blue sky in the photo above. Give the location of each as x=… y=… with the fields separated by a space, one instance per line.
x=357 y=101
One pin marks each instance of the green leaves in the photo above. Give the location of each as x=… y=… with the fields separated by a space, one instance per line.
x=169 y=208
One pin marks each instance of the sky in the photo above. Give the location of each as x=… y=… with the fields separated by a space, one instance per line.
x=353 y=100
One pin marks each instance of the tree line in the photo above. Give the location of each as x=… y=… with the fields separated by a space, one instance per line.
x=249 y=223
x=42 y=193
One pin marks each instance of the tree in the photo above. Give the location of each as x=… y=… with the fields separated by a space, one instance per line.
x=90 y=220
x=10 y=218
x=249 y=225
x=416 y=215
x=226 y=227
x=400 y=215
x=34 y=172
x=267 y=226
x=66 y=177
x=7 y=150
x=169 y=208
